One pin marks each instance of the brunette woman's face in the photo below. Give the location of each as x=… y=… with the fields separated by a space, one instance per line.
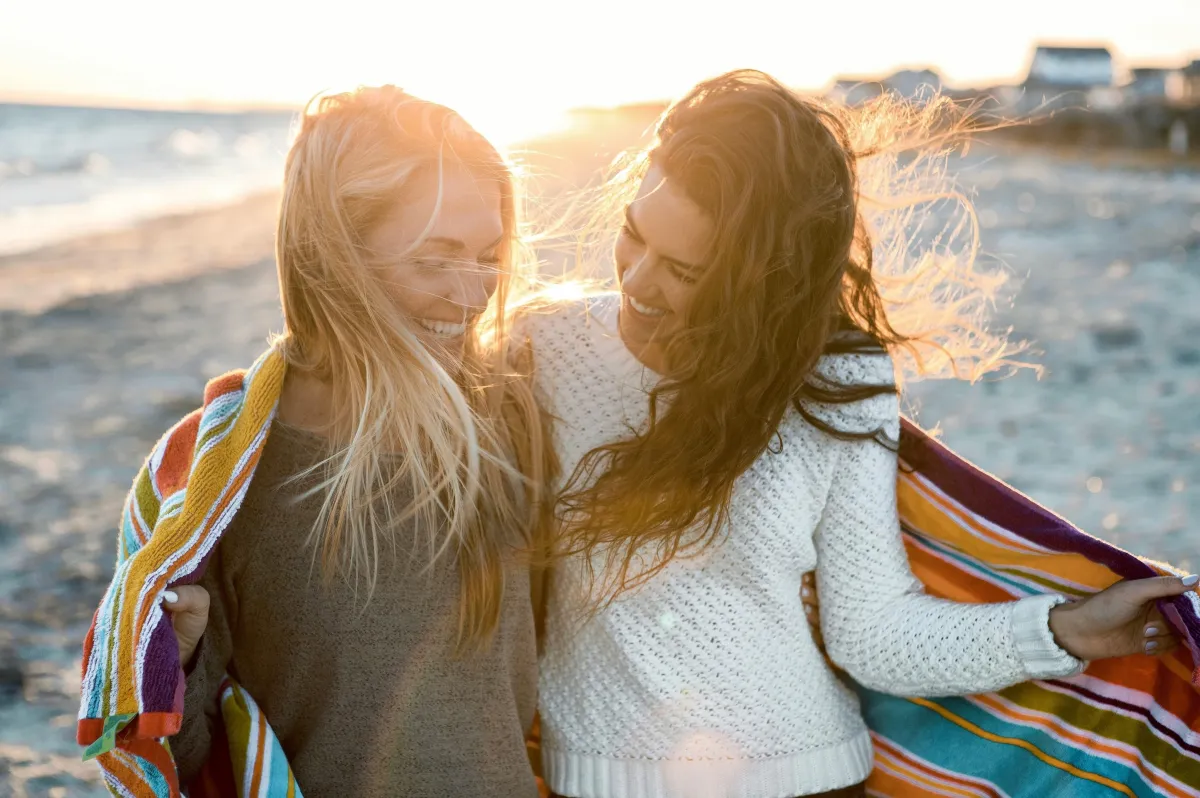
x=437 y=253
x=661 y=252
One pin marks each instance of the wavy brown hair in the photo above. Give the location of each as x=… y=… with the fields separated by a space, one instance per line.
x=813 y=256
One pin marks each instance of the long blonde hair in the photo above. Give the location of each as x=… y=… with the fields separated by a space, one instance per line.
x=468 y=444
x=815 y=255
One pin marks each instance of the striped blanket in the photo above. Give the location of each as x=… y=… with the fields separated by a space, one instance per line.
x=1127 y=727
x=132 y=693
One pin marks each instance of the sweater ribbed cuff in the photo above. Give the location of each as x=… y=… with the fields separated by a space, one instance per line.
x=1041 y=655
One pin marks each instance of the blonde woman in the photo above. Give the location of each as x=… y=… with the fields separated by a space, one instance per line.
x=727 y=421
x=371 y=593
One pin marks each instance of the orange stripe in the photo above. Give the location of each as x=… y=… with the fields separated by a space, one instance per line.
x=1145 y=674
x=113 y=763
x=899 y=755
x=259 y=755
x=1026 y=745
x=226 y=383
x=931 y=781
x=172 y=472
x=950 y=580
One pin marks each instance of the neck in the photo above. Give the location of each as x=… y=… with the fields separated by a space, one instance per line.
x=306 y=403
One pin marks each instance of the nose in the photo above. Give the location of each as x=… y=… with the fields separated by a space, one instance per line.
x=474 y=288
x=638 y=278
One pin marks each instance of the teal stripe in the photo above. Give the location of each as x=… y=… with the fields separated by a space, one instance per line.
x=154 y=779
x=129 y=543
x=222 y=408
x=1009 y=768
x=280 y=774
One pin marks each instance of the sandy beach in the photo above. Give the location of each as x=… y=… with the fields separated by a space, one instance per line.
x=107 y=340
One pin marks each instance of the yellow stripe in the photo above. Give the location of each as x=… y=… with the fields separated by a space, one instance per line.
x=1028 y=746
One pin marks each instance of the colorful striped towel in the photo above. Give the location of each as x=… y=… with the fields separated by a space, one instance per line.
x=1128 y=726
x=181 y=502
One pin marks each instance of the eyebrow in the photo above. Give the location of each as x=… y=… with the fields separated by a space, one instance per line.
x=689 y=267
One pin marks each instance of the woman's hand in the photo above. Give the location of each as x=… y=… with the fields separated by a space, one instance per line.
x=1119 y=621
x=188 y=606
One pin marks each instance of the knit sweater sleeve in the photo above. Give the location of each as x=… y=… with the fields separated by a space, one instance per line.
x=201 y=700
x=877 y=622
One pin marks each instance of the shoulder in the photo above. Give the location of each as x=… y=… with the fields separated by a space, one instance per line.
x=555 y=325
x=878 y=413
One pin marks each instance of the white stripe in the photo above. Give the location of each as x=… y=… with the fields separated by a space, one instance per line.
x=264 y=789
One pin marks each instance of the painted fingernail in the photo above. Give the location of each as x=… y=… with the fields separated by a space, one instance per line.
x=1151 y=631
x=1151 y=646
x=1190 y=581
x=170 y=596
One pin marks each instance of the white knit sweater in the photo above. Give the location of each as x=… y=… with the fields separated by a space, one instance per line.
x=707 y=682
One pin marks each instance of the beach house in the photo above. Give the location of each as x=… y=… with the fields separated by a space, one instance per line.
x=1070 y=77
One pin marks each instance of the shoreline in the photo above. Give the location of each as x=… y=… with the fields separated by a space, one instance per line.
x=164 y=248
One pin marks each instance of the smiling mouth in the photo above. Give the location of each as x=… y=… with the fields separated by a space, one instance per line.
x=444 y=329
x=645 y=310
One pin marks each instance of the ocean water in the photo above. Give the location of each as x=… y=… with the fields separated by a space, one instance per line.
x=67 y=171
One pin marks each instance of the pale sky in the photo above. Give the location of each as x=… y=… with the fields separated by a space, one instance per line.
x=514 y=64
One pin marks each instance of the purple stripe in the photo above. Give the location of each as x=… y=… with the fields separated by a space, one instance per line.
x=988 y=498
x=160 y=680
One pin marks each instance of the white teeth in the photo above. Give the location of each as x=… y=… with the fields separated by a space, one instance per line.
x=444 y=329
x=645 y=310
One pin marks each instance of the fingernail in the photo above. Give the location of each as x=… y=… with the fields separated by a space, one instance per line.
x=170 y=596
x=804 y=592
x=1151 y=646
x=1151 y=631
x=1190 y=581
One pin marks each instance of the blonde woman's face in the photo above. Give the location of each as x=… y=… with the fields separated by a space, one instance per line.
x=438 y=255
x=660 y=254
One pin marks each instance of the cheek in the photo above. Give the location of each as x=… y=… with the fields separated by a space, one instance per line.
x=415 y=292
x=678 y=295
